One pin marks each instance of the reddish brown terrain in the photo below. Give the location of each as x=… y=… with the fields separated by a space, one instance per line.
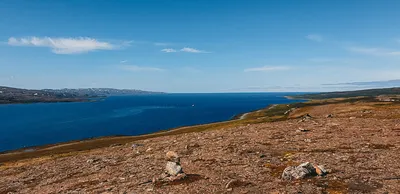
x=359 y=145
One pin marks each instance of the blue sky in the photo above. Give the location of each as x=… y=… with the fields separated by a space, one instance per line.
x=199 y=46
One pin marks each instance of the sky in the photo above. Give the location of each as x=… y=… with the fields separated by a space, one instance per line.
x=200 y=45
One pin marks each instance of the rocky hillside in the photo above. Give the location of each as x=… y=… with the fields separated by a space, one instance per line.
x=354 y=144
x=16 y=95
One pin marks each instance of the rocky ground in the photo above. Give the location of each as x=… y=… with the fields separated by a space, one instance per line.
x=358 y=144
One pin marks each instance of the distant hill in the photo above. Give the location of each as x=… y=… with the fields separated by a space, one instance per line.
x=10 y=95
x=99 y=91
x=347 y=94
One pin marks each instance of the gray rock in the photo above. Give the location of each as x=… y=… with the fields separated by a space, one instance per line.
x=299 y=172
x=173 y=168
x=136 y=145
x=92 y=160
x=302 y=130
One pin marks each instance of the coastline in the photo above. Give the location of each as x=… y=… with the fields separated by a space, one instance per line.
x=100 y=142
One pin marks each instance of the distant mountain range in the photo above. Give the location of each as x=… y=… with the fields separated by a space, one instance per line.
x=10 y=95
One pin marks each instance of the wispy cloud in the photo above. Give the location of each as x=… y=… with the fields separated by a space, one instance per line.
x=191 y=69
x=169 y=50
x=63 y=45
x=161 y=44
x=315 y=37
x=299 y=88
x=321 y=60
x=374 y=51
x=385 y=83
x=267 y=68
x=123 y=61
x=192 y=50
x=139 y=68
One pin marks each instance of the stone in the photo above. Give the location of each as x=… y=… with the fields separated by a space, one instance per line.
x=231 y=184
x=136 y=145
x=329 y=116
x=320 y=170
x=303 y=130
x=308 y=140
x=173 y=169
x=172 y=156
x=92 y=160
x=299 y=172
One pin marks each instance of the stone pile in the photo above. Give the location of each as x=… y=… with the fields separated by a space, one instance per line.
x=305 y=118
x=173 y=169
x=302 y=171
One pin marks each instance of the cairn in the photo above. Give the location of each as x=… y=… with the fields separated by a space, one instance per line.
x=303 y=170
x=173 y=169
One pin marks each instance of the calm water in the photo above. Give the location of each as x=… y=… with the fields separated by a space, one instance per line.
x=25 y=125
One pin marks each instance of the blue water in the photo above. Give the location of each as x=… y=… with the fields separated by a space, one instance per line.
x=25 y=125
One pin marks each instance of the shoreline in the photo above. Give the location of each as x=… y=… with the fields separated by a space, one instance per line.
x=270 y=113
x=106 y=141
x=240 y=116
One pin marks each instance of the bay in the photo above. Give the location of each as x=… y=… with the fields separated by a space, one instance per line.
x=26 y=125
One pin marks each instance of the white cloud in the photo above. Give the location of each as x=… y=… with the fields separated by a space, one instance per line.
x=267 y=68
x=192 y=50
x=169 y=50
x=139 y=68
x=315 y=37
x=123 y=61
x=374 y=51
x=63 y=45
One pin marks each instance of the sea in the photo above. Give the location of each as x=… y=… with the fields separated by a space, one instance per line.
x=27 y=125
